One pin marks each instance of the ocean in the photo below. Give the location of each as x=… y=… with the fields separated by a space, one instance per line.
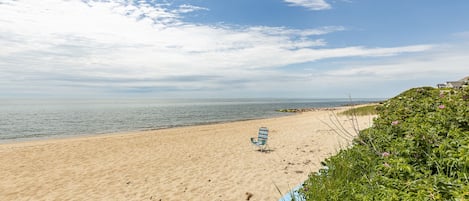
x=37 y=119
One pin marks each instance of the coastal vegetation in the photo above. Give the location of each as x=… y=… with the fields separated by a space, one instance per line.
x=361 y=111
x=300 y=110
x=417 y=149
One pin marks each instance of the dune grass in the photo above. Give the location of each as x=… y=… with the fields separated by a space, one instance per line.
x=361 y=111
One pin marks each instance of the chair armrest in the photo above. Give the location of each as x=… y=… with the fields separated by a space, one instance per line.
x=253 y=140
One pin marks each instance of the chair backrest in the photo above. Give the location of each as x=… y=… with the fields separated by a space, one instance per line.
x=263 y=134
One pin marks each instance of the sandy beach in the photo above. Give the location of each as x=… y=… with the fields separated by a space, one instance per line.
x=207 y=162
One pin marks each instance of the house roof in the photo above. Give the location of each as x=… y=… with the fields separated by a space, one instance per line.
x=455 y=83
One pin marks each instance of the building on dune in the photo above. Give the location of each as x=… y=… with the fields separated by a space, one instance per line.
x=462 y=83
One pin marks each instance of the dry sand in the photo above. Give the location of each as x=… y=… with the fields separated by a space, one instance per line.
x=208 y=162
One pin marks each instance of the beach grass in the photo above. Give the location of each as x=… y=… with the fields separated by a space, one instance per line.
x=361 y=111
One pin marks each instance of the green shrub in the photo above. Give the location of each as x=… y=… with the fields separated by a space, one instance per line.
x=417 y=149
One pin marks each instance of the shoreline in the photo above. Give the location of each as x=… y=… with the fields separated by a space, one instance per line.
x=119 y=133
x=204 y=162
x=65 y=136
x=35 y=120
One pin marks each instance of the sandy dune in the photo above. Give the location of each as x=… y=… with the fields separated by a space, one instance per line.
x=208 y=162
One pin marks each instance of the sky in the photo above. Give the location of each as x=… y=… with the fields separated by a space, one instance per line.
x=229 y=48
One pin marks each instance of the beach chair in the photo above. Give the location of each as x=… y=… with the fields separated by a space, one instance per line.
x=261 y=141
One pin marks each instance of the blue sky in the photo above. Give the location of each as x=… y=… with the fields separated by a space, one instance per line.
x=229 y=49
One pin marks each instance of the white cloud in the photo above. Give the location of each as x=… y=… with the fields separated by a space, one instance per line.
x=310 y=4
x=126 y=44
x=388 y=77
x=185 y=8
x=297 y=32
x=436 y=65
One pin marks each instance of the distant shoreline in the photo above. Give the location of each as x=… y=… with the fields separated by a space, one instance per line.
x=146 y=124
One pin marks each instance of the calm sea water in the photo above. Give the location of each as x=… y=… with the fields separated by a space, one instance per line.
x=33 y=119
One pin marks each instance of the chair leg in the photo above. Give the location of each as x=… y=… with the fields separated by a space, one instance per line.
x=263 y=148
x=266 y=147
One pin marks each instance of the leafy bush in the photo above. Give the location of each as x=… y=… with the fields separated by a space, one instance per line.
x=417 y=149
